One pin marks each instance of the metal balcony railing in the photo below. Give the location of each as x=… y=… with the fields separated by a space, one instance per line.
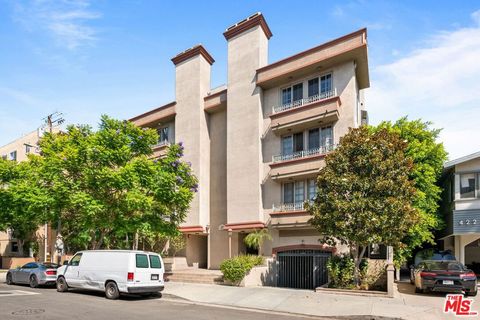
x=302 y=102
x=289 y=207
x=303 y=153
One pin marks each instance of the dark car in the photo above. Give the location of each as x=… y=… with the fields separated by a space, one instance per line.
x=430 y=254
x=34 y=274
x=445 y=276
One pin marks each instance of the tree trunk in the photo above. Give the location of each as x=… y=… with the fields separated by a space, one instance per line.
x=357 y=259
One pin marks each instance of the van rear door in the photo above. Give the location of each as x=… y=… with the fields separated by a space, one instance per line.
x=148 y=270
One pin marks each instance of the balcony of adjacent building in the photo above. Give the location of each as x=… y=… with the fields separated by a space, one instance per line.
x=302 y=153
x=305 y=103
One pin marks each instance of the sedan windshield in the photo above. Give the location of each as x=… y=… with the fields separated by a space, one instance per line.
x=444 y=266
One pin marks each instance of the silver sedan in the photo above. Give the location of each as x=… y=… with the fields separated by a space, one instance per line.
x=34 y=274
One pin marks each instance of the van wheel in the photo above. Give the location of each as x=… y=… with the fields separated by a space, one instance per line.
x=33 y=282
x=62 y=285
x=9 y=279
x=111 y=291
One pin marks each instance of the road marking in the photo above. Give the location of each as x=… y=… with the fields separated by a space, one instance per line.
x=13 y=293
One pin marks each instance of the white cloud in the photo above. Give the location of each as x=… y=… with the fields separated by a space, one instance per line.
x=438 y=82
x=67 y=21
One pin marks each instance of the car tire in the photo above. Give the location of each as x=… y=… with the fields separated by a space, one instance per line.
x=9 y=279
x=111 y=291
x=62 y=285
x=472 y=293
x=33 y=281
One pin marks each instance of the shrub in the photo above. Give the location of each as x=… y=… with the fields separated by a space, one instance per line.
x=341 y=272
x=236 y=268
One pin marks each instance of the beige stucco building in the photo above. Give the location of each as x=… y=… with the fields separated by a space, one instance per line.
x=257 y=143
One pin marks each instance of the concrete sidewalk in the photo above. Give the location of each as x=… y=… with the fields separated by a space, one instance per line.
x=407 y=304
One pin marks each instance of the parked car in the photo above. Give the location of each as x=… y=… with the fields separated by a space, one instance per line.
x=430 y=254
x=113 y=271
x=445 y=276
x=34 y=274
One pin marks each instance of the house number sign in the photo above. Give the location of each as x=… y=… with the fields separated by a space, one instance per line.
x=468 y=222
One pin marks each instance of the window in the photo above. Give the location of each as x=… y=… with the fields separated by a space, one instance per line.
x=313 y=139
x=327 y=137
x=286 y=96
x=163 y=134
x=14 y=246
x=75 y=260
x=292 y=143
x=155 y=262
x=312 y=87
x=467 y=185
x=312 y=189
x=27 y=149
x=4 y=156
x=299 y=192
x=288 y=192
x=298 y=92
x=326 y=83
x=142 y=261
x=13 y=155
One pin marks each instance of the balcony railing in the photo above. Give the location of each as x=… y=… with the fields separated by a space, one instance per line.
x=303 y=153
x=163 y=143
x=302 y=102
x=289 y=207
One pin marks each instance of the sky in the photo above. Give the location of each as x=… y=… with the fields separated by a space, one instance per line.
x=87 y=58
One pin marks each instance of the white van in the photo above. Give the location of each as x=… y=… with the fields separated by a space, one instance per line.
x=113 y=271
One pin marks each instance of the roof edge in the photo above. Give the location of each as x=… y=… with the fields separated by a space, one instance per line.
x=192 y=52
x=254 y=20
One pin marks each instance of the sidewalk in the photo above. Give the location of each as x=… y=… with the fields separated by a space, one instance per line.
x=406 y=305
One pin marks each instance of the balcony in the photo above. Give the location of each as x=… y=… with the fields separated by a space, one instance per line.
x=160 y=149
x=304 y=113
x=302 y=102
x=304 y=163
x=289 y=215
x=303 y=154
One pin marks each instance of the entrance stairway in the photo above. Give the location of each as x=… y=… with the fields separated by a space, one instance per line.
x=194 y=275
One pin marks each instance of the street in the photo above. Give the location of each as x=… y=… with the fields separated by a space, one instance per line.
x=22 y=302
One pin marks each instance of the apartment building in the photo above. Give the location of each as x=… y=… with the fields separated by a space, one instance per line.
x=461 y=209
x=18 y=150
x=257 y=143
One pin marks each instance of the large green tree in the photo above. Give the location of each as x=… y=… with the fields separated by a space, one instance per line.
x=364 y=194
x=428 y=157
x=105 y=188
x=23 y=204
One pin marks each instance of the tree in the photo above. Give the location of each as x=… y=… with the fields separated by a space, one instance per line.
x=364 y=195
x=428 y=157
x=23 y=204
x=255 y=239
x=105 y=187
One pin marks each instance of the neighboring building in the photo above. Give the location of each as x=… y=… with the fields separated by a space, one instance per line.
x=461 y=208
x=257 y=143
x=19 y=150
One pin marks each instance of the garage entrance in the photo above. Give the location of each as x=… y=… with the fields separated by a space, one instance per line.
x=302 y=269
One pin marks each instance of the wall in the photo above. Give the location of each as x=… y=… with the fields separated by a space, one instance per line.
x=218 y=239
x=196 y=250
x=13 y=262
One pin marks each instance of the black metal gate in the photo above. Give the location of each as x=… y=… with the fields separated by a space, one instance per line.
x=302 y=269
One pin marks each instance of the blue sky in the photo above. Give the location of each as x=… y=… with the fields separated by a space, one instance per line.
x=87 y=58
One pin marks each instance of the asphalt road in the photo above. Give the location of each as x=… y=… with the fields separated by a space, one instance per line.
x=22 y=302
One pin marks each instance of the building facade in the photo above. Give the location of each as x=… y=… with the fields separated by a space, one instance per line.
x=461 y=209
x=18 y=150
x=257 y=143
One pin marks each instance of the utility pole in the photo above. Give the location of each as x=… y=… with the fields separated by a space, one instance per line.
x=53 y=119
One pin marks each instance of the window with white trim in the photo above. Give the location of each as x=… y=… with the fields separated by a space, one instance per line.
x=163 y=134
x=292 y=94
x=467 y=185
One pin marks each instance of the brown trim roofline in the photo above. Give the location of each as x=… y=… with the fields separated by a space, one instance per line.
x=192 y=52
x=171 y=104
x=244 y=25
x=320 y=47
